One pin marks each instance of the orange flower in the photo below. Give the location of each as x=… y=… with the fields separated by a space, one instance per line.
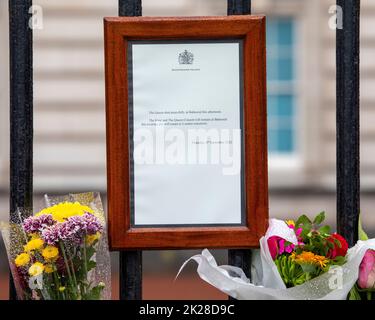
x=307 y=257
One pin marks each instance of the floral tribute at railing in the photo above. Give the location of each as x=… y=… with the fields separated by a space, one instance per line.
x=315 y=251
x=61 y=252
x=298 y=260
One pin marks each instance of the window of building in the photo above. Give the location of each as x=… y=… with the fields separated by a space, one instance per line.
x=281 y=87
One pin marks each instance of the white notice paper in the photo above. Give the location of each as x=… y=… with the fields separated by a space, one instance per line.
x=185 y=101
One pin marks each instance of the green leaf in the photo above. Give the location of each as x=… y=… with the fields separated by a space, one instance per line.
x=94 y=293
x=361 y=233
x=325 y=230
x=90 y=251
x=91 y=265
x=337 y=242
x=308 y=268
x=320 y=218
x=339 y=260
x=354 y=294
x=330 y=245
x=303 y=220
x=306 y=229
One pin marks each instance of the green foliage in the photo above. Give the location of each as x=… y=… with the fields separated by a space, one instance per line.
x=339 y=261
x=354 y=294
x=90 y=251
x=91 y=265
x=319 y=218
x=94 y=293
x=291 y=273
x=294 y=274
x=316 y=238
x=325 y=230
x=315 y=235
x=77 y=287
x=303 y=220
x=361 y=233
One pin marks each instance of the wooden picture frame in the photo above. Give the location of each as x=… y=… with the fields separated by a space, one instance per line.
x=118 y=31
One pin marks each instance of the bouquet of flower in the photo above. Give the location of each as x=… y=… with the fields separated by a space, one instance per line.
x=297 y=260
x=314 y=252
x=53 y=254
x=365 y=286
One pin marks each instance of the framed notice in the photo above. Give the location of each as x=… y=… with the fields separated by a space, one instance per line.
x=186 y=132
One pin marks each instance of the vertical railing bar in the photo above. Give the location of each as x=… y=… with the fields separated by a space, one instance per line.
x=21 y=110
x=238 y=7
x=348 y=106
x=130 y=261
x=130 y=8
x=240 y=258
x=130 y=275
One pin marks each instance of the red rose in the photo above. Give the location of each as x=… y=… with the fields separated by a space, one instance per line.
x=338 y=250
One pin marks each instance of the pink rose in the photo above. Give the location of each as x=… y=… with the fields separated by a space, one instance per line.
x=366 y=278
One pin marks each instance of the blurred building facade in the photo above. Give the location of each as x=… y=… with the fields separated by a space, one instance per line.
x=69 y=118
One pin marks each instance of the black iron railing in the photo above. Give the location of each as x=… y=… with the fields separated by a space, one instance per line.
x=21 y=108
x=347 y=125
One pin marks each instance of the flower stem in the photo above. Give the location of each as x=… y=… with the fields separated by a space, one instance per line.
x=54 y=275
x=85 y=256
x=85 y=262
x=67 y=268
x=74 y=274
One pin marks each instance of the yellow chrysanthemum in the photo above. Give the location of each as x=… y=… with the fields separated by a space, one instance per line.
x=62 y=289
x=48 y=268
x=90 y=239
x=34 y=244
x=34 y=236
x=22 y=260
x=62 y=211
x=307 y=257
x=290 y=223
x=36 y=269
x=50 y=253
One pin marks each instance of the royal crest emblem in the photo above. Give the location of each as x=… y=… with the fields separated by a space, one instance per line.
x=185 y=57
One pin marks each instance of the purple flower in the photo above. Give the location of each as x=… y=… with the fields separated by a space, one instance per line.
x=50 y=235
x=87 y=224
x=37 y=224
x=93 y=224
x=72 y=230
